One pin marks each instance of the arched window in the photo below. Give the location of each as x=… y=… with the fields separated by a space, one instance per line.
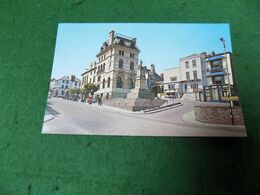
x=120 y=63
x=131 y=83
x=132 y=66
x=103 y=83
x=119 y=82
x=108 y=82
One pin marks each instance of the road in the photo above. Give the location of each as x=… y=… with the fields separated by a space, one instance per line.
x=83 y=119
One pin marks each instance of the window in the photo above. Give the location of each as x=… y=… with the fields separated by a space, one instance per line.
x=67 y=82
x=216 y=65
x=121 y=63
x=63 y=81
x=104 y=65
x=67 y=86
x=195 y=76
x=108 y=82
x=94 y=79
x=121 y=53
x=98 y=87
x=194 y=63
x=131 y=65
x=103 y=84
x=99 y=78
x=132 y=55
x=173 y=78
x=62 y=86
x=187 y=64
x=187 y=76
x=119 y=82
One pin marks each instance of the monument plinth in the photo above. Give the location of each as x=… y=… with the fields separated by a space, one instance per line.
x=139 y=98
x=141 y=89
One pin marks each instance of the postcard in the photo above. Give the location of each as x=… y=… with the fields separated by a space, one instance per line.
x=144 y=79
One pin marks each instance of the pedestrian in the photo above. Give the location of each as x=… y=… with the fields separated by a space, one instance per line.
x=99 y=101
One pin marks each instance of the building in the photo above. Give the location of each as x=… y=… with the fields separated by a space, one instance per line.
x=152 y=80
x=220 y=73
x=172 y=84
x=114 y=72
x=64 y=84
x=199 y=74
x=188 y=77
x=192 y=73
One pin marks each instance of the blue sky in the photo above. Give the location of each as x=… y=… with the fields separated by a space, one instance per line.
x=161 y=44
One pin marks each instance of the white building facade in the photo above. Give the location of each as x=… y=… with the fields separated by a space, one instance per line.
x=188 y=77
x=64 y=84
x=220 y=77
x=199 y=71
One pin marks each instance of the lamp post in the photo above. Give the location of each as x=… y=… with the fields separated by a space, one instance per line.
x=229 y=89
x=225 y=54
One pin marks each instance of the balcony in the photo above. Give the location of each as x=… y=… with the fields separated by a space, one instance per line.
x=216 y=69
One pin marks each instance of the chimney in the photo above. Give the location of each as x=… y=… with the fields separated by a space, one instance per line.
x=152 y=68
x=72 y=77
x=111 y=37
x=134 y=41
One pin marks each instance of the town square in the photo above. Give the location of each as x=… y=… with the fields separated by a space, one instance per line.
x=123 y=93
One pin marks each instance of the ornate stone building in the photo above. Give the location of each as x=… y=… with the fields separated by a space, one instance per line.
x=115 y=71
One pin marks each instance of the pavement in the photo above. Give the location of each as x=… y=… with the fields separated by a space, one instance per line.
x=79 y=118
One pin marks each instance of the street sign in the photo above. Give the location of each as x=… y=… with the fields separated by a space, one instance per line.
x=231 y=98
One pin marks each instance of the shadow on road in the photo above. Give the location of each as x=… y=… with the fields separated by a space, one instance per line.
x=51 y=110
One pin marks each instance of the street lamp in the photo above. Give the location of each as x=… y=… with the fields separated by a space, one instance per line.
x=229 y=89
x=225 y=54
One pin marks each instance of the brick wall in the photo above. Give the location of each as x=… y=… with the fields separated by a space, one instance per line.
x=218 y=113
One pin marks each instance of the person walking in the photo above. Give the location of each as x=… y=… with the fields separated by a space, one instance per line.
x=99 y=101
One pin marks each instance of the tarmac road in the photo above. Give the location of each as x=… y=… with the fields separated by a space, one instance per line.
x=81 y=118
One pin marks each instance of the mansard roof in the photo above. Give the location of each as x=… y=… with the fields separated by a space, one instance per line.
x=118 y=39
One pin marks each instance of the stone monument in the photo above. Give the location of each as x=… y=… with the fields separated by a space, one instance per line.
x=139 y=98
x=141 y=88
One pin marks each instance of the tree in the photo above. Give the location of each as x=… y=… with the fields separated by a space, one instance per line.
x=74 y=93
x=87 y=88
